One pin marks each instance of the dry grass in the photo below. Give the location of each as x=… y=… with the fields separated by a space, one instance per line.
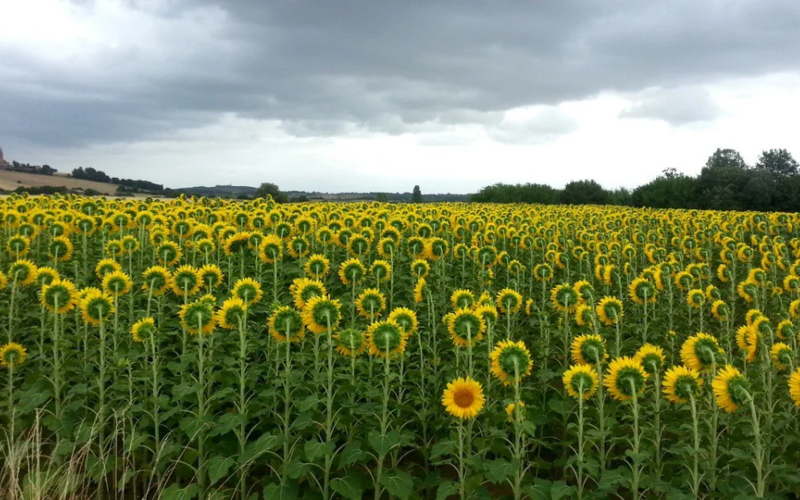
x=12 y=180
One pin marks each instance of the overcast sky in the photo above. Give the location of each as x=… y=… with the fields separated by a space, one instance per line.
x=345 y=95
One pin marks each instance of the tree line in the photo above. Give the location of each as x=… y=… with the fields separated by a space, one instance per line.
x=126 y=185
x=726 y=182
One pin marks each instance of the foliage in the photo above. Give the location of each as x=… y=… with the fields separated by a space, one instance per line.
x=269 y=189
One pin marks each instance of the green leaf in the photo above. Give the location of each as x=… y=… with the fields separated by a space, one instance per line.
x=308 y=403
x=446 y=489
x=225 y=424
x=218 y=468
x=349 y=486
x=381 y=444
x=264 y=444
x=398 y=483
x=175 y=492
x=559 y=490
x=443 y=448
x=285 y=491
x=314 y=449
x=560 y=406
x=498 y=471
x=351 y=454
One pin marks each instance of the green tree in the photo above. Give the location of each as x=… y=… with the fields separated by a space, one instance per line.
x=672 y=189
x=381 y=197
x=778 y=162
x=416 y=195
x=270 y=189
x=585 y=192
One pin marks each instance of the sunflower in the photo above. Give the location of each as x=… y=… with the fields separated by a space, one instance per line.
x=157 y=279
x=684 y=280
x=46 y=275
x=236 y=243
x=462 y=299
x=60 y=296
x=143 y=329
x=381 y=269
x=794 y=387
x=720 y=310
x=351 y=272
x=794 y=309
x=271 y=249
x=12 y=355
x=61 y=248
x=641 y=290
x=781 y=355
x=785 y=329
x=730 y=389
x=350 y=343
x=588 y=349
x=23 y=272
x=304 y=289
x=169 y=253
x=321 y=313
x=95 y=306
x=406 y=318
x=529 y=307
x=625 y=377
x=420 y=268
x=18 y=245
x=186 y=281
x=463 y=398
x=370 y=303
x=723 y=273
x=696 y=298
x=129 y=244
x=466 y=327
x=747 y=291
x=386 y=338
x=508 y=301
x=286 y=322
x=249 y=290
x=584 y=290
x=564 y=298
x=209 y=276
x=610 y=310
x=651 y=357
x=580 y=381
x=701 y=352
x=198 y=317
x=317 y=266
x=584 y=315
x=681 y=383
x=543 y=272
x=106 y=266
x=511 y=361
x=420 y=290
x=231 y=313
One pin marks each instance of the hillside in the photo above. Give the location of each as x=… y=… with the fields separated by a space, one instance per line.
x=10 y=181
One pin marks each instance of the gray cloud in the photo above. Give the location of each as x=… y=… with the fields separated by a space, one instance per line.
x=677 y=107
x=332 y=68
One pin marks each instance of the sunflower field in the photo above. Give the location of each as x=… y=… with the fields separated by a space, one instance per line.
x=212 y=349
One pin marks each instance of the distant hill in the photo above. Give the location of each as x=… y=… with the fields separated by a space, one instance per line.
x=248 y=191
x=213 y=191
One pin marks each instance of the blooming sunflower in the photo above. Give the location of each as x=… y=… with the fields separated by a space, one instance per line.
x=730 y=389
x=681 y=383
x=580 y=381
x=625 y=377
x=198 y=317
x=406 y=318
x=12 y=355
x=249 y=290
x=610 y=310
x=420 y=268
x=186 y=281
x=317 y=266
x=106 y=266
x=381 y=269
x=231 y=313
x=641 y=290
x=350 y=343
x=511 y=361
x=747 y=291
x=466 y=327
x=420 y=290
x=781 y=355
x=588 y=349
x=508 y=301
x=461 y=299
x=463 y=398
x=386 y=338
x=584 y=290
x=23 y=272
x=351 y=272
x=370 y=303
x=511 y=409
x=286 y=322
x=169 y=253
x=584 y=315
x=298 y=247
x=236 y=243
x=157 y=279
x=46 y=275
x=210 y=275
x=18 y=245
x=271 y=249
x=61 y=248
x=95 y=306
x=785 y=329
x=543 y=272
x=651 y=357
x=720 y=310
x=304 y=289
x=701 y=351
x=696 y=298
x=794 y=387
x=320 y=313
x=60 y=296
x=143 y=329
x=564 y=298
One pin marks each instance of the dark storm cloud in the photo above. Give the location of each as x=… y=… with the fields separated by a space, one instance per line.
x=332 y=67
